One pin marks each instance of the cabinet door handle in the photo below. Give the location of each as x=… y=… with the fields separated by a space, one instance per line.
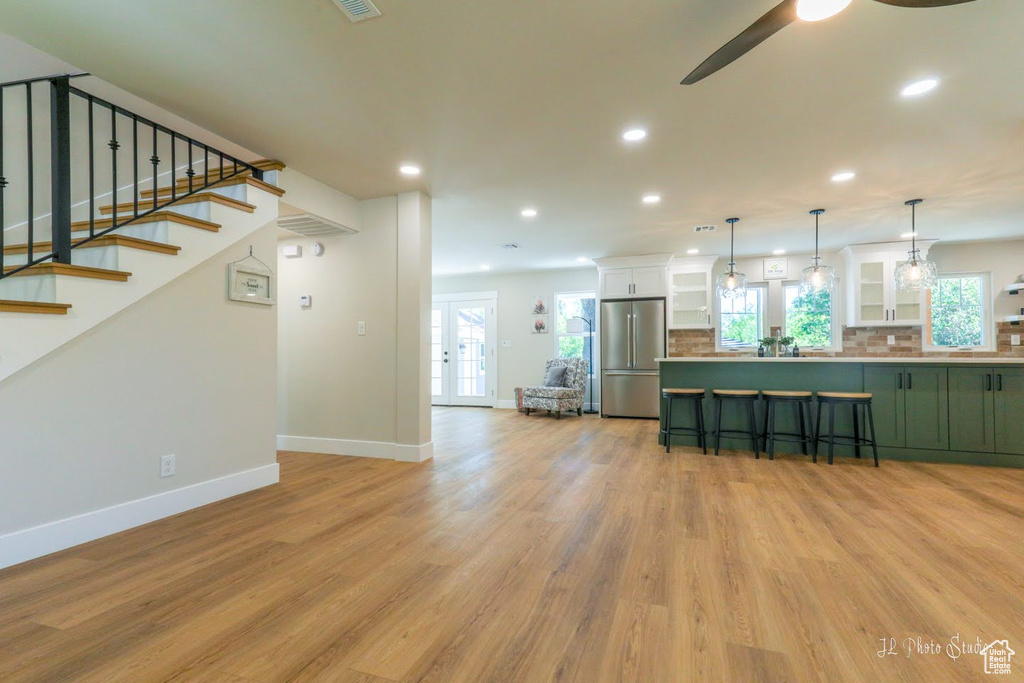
x=899 y=381
x=988 y=382
x=910 y=381
x=999 y=382
x=887 y=315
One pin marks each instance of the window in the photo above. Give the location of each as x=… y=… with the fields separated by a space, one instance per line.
x=959 y=316
x=742 y=320
x=575 y=344
x=809 y=318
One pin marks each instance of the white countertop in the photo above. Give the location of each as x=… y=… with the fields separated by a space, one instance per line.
x=894 y=360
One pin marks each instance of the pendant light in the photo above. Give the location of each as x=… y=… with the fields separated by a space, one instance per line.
x=816 y=10
x=816 y=277
x=731 y=285
x=917 y=273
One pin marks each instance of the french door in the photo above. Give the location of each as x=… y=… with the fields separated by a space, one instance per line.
x=463 y=359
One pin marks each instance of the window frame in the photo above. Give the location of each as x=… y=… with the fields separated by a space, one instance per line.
x=580 y=294
x=765 y=291
x=837 y=327
x=988 y=328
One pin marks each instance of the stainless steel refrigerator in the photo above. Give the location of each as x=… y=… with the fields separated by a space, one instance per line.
x=633 y=334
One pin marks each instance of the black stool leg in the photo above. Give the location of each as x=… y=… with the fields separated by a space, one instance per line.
x=702 y=433
x=803 y=426
x=764 y=432
x=753 y=428
x=770 y=440
x=831 y=431
x=817 y=433
x=668 y=427
x=718 y=424
x=856 y=431
x=874 y=441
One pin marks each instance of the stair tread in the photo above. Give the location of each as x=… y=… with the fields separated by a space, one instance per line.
x=182 y=185
x=36 y=307
x=109 y=240
x=155 y=217
x=125 y=207
x=50 y=268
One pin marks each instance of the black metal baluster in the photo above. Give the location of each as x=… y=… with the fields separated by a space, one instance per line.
x=31 y=173
x=220 y=164
x=92 y=176
x=114 y=145
x=155 y=160
x=206 y=165
x=174 y=177
x=60 y=170
x=135 y=166
x=191 y=171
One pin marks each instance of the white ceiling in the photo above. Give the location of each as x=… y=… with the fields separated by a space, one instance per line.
x=513 y=104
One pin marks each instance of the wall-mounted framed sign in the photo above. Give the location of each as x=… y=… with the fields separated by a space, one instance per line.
x=250 y=280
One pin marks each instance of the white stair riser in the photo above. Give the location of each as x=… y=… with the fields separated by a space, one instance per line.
x=42 y=288
x=94 y=257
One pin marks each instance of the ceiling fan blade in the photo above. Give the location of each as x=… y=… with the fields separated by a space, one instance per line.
x=922 y=3
x=778 y=18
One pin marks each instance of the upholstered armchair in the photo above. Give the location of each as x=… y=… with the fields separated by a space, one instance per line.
x=568 y=396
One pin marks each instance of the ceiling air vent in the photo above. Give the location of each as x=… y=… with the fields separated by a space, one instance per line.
x=511 y=245
x=308 y=225
x=358 y=10
x=705 y=228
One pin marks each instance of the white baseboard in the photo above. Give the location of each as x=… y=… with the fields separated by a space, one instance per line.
x=511 y=405
x=362 y=449
x=44 y=539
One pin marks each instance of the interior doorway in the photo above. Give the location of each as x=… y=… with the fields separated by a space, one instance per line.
x=463 y=357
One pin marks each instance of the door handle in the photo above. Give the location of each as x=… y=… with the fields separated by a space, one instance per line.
x=899 y=381
x=634 y=340
x=988 y=382
x=629 y=339
x=999 y=382
x=887 y=315
x=910 y=381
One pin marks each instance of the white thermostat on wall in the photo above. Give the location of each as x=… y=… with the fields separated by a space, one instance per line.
x=318 y=249
x=305 y=300
x=292 y=250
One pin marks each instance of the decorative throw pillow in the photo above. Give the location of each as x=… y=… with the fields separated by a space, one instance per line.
x=556 y=376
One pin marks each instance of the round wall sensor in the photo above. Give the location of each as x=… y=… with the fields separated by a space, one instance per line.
x=318 y=249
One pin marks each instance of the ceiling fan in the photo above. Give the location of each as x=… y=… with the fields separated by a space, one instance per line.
x=782 y=15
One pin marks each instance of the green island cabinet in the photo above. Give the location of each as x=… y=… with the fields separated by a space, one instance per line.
x=986 y=409
x=911 y=405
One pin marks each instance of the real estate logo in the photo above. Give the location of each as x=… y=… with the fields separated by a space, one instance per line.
x=997 y=656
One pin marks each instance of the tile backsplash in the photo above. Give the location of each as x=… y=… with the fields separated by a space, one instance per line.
x=858 y=342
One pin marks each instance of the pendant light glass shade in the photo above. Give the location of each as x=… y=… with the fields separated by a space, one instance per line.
x=916 y=273
x=816 y=10
x=730 y=284
x=817 y=278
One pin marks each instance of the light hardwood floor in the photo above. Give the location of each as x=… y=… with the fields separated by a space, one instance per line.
x=532 y=549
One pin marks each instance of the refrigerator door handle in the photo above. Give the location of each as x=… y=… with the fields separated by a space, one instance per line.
x=631 y=373
x=629 y=340
x=634 y=341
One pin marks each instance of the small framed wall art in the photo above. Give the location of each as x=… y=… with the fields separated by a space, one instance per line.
x=776 y=268
x=251 y=280
x=539 y=305
x=540 y=324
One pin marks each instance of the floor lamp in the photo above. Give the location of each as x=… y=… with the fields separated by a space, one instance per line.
x=573 y=326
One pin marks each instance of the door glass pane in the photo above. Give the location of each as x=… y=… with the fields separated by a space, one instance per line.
x=436 y=350
x=472 y=352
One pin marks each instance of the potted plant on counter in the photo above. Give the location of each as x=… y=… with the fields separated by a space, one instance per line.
x=786 y=342
x=765 y=346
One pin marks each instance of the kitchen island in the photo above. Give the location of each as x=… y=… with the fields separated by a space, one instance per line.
x=964 y=410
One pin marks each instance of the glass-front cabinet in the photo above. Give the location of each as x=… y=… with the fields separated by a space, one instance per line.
x=692 y=286
x=872 y=298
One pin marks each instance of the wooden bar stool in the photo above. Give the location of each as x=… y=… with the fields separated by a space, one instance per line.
x=856 y=402
x=799 y=400
x=747 y=396
x=696 y=397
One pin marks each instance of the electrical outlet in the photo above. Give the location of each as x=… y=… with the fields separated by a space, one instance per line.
x=167 y=466
x=506 y=343
x=891 y=339
x=1014 y=340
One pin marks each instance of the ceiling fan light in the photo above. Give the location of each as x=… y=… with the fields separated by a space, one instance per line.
x=817 y=10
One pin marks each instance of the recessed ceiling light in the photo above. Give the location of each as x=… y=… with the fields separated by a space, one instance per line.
x=779 y=252
x=908 y=235
x=652 y=198
x=843 y=176
x=485 y=267
x=582 y=259
x=918 y=88
x=634 y=135
x=816 y=10
x=692 y=252
x=528 y=213
x=409 y=169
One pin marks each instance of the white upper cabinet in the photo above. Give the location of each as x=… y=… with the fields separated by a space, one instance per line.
x=634 y=277
x=872 y=299
x=691 y=283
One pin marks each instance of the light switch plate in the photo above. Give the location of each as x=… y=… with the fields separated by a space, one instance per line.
x=891 y=339
x=361 y=328
x=305 y=300
x=506 y=343
x=1014 y=340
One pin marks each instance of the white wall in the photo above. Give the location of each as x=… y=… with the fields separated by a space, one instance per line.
x=340 y=392
x=522 y=364
x=183 y=371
